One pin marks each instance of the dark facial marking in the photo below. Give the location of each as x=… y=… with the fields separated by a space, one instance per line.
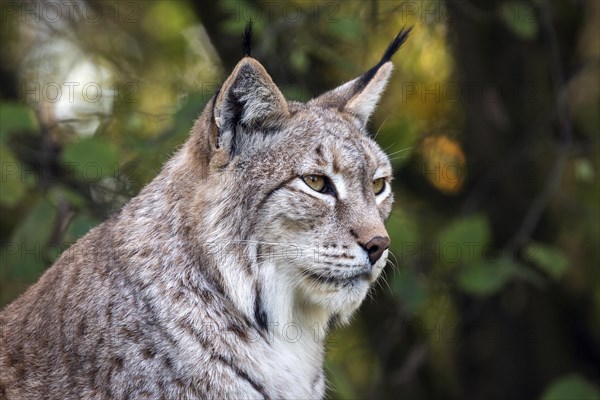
x=259 y=312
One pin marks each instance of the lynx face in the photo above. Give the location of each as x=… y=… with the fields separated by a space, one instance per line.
x=300 y=191
x=312 y=188
x=324 y=207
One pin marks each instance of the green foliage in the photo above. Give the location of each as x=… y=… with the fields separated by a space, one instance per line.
x=468 y=235
x=13 y=185
x=350 y=360
x=340 y=381
x=166 y=19
x=410 y=289
x=472 y=229
x=484 y=278
x=35 y=229
x=584 y=170
x=465 y=242
x=16 y=118
x=403 y=229
x=299 y=60
x=519 y=17
x=551 y=259
x=79 y=226
x=347 y=29
x=26 y=256
x=91 y=158
x=571 y=387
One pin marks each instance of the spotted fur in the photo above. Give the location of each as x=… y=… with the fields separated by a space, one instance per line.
x=221 y=278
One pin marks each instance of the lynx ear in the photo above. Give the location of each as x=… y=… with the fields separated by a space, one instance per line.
x=363 y=102
x=247 y=98
x=360 y=96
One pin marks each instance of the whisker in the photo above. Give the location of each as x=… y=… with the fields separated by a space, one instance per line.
x=381 y=126
x=395 y=259
x=385 y=280
x=401 y=151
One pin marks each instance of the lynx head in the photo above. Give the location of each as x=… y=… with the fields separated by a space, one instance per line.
x=302 y=187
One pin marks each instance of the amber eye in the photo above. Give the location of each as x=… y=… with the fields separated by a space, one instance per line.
x=378 y=186
x=315 y=182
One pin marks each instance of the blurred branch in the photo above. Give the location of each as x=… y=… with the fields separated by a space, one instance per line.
x=417 y=357
x=540 y=202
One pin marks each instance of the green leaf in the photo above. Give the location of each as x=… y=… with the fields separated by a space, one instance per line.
x=91 y=159
x=410 y=289
x=486 y=278
x=519 y=17
x=79 y=226
x=26 y=255
x=584 y=170
x=347 y=29
x=166 y=20
x=299 y=60
x=15 y=118
x=571 y=387
x=36 y=227
x=403 y=230
x=12 y=180
x=464 y=240
x=551 y=259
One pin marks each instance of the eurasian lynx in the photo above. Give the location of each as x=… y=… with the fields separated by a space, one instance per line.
x=220 y=278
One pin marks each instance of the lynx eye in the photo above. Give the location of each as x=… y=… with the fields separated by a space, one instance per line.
x=378 y=186
x=315 y=182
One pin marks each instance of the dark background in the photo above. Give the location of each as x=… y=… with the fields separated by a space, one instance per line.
x=491 y=121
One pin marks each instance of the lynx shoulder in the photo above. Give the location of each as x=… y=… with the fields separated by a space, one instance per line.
x=221 y=278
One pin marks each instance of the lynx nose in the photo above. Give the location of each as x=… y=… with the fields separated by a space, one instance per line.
x=375 y=248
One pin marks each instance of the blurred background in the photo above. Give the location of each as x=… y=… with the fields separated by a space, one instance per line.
x=491 y=121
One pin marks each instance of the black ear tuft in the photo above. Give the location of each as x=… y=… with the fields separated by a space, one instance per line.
x=387 y=56
x=395 y=45
x=247 y=40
